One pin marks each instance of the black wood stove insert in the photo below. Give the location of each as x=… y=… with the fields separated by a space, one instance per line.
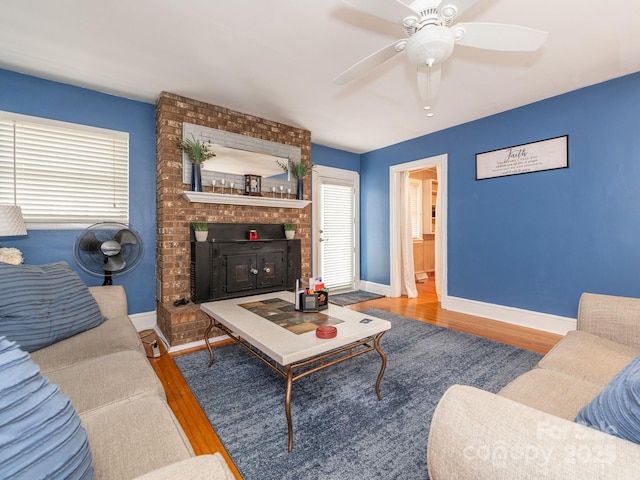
x=229 y=265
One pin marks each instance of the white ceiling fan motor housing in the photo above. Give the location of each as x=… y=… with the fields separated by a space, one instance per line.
x=430 y=45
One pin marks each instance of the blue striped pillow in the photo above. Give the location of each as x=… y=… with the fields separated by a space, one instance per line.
x=616 y=410
x=41 y=305
x=40 y=433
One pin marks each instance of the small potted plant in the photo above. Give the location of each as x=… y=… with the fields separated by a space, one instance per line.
x=198 y=152
x=289 y=230
x=299 y=170
x=201 y=231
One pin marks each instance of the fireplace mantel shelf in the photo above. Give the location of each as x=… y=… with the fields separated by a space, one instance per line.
x=229 y=199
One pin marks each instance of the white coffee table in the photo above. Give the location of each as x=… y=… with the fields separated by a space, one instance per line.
x=285 y=351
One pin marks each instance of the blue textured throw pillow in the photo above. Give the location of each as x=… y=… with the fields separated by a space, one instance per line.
x=40 y=433
x=41 y=305
x=616 y=410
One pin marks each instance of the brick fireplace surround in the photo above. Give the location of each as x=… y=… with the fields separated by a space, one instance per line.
x=187 y=323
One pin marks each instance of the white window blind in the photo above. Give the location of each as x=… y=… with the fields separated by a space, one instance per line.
x=62 y=173
x=415 y=208
x=338 y=230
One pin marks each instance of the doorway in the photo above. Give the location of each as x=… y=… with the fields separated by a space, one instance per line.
x=440 y=249
x=335 y=227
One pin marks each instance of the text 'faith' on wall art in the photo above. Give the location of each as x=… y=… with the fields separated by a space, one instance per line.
x=548 y=154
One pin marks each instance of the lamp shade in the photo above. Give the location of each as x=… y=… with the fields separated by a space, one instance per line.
x=11 y=221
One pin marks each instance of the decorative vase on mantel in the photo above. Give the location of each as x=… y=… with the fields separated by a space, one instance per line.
x=198 y=152
x=300 y=189
x=299 y=170
x=196 y=177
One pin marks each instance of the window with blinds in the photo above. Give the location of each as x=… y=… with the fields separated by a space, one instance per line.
x=63 y=174
x=415 y=208
x=337 y=249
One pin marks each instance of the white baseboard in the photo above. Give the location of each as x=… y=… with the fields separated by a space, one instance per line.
x=144 y=321
x=199 y=343
x=148 y=321
x=375 y=288
x=515 y=316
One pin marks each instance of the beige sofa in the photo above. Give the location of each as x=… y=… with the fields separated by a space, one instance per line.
x=121 y=402
x=527 y=429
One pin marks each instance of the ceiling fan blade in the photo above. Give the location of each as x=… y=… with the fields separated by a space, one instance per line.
x=429 y=83
x=451 y=9
x=369 y=63
x=125 y=236
x=90 y=243
x=391 y=10
x=498 y=36
x=114 y=264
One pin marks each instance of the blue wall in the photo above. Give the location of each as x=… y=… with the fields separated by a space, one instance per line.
x=534 y=241
x=33 y=96
x=332 y=157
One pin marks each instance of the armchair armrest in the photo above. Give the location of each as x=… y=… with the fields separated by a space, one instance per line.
x=203 y=467
x=480 y=435
x=111 y=299
x=612 y=317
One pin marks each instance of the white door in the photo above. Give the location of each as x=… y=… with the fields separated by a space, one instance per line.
x=335 y=228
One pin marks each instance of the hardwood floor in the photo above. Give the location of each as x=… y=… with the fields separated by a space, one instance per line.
x=425 y=308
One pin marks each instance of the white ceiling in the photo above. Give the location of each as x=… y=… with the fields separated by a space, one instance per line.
x=277 y=58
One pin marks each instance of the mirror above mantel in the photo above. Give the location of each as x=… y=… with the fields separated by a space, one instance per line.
x=239 y=155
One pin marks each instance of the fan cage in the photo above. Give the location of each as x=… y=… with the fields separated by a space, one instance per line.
x=93 y=262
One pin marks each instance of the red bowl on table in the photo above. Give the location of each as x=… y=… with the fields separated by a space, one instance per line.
x=326 y=332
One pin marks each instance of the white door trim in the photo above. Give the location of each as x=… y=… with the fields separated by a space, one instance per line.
x=319 y=173
x=394 y=202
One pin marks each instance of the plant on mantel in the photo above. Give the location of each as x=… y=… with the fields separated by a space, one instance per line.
x=299 y=170
x=197 y=151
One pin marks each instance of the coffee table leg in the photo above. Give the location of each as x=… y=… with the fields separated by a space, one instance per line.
x=206 y=340
x=376 y=344
x=287 y=405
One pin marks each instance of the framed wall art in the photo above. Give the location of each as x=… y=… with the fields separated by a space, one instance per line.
x=550 y=154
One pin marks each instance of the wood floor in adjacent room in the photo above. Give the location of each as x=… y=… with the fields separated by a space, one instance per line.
x=425 y=308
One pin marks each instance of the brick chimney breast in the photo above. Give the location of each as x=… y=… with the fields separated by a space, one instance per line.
x=186 y=324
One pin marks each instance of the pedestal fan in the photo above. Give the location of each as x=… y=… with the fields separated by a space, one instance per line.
x=108 y=249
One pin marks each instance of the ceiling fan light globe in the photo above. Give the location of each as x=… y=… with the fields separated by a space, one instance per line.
x=430 y=45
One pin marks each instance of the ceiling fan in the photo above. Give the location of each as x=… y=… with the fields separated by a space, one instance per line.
x=431 y=37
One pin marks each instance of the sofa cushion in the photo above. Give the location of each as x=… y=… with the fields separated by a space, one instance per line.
x=573 y=355
x=553 y=392
x=107 y=380
x=617 y=409
x=40 y=305
x=134 y=438
x=116 y=334
x=40 y=433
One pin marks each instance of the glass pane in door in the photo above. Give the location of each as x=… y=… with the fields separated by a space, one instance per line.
x=337 y=237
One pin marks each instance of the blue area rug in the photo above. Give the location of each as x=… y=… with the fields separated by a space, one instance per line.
x=341 y=430
x=350 y=298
